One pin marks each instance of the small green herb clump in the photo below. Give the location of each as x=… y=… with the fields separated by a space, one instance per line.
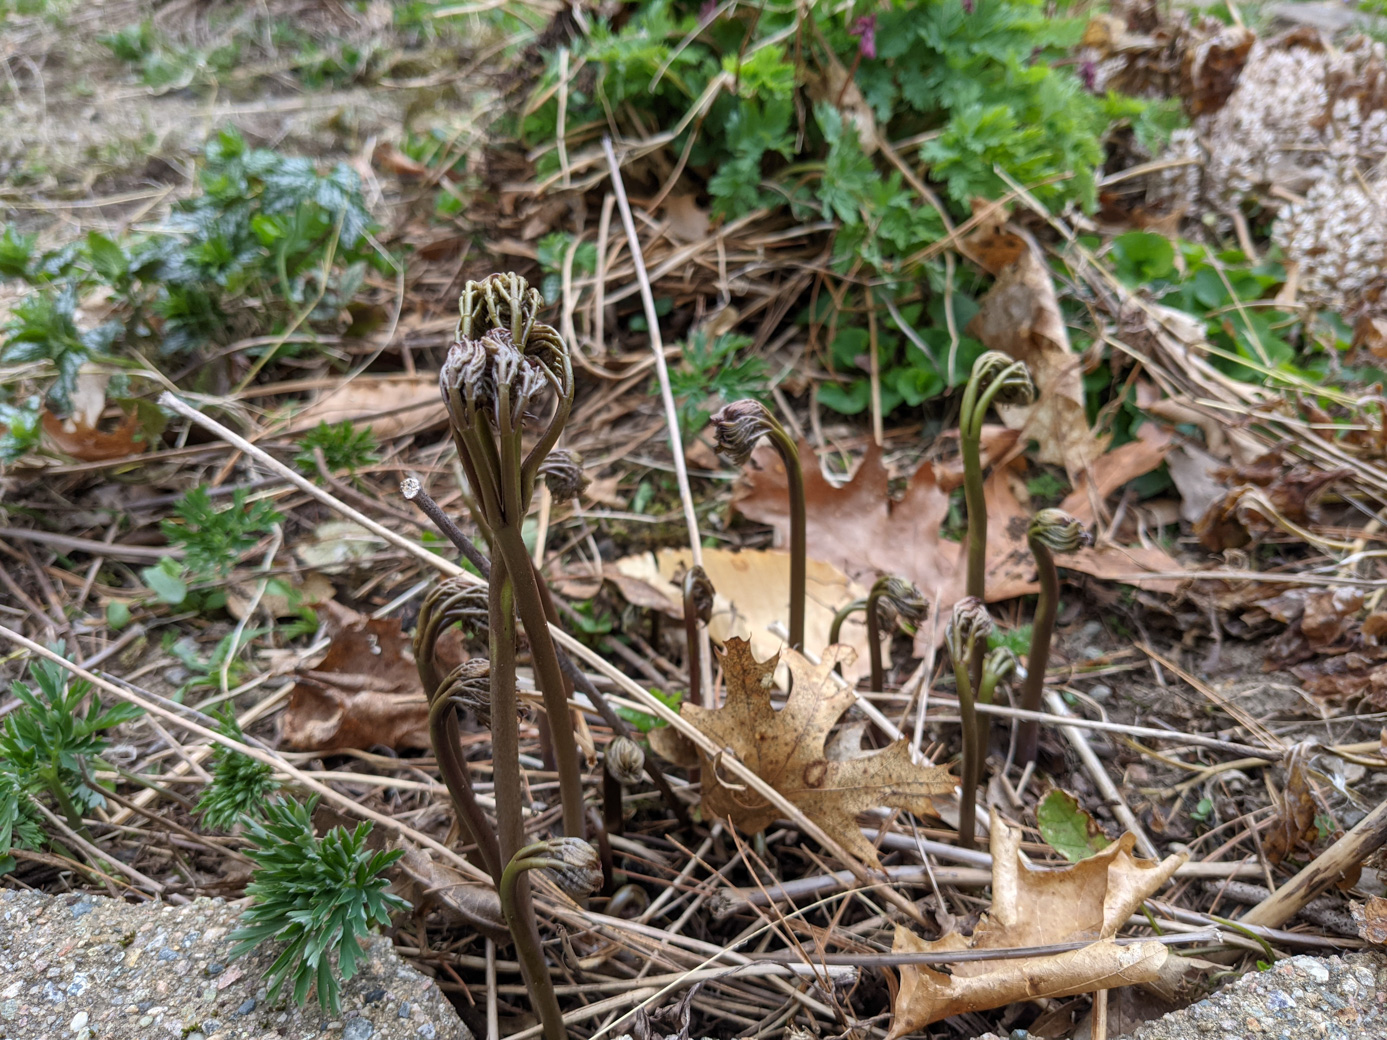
x=213 y=539
x=315 y=895
x=343 y=447
x=240 y=785
x=48 y=744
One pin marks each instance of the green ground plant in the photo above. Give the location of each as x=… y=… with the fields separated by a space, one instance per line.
x=269 y=246
x=785 y=112
x=320 y=897
x=344 y=447
x=48 y=745
x=241 y=786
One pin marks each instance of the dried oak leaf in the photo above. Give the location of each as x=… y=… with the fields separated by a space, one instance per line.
x=1088 y=900
x=391 y=405
x=365 y=692
x=863 y=530
x=786 y=749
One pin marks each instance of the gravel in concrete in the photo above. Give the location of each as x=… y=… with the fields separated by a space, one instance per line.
x=81 y=967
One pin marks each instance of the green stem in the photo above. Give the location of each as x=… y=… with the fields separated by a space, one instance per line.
x=1028 y=731
x=514 y=890
x=844 y=612
x=986 y=690
x=505 y=729
x=968 y=798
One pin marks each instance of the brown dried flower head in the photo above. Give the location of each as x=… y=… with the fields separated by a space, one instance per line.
x=737 y=427
x=625 y=760
x=579 y=869
x=1012 y=378
x=562 y=470
x=1058 y=531
x=492 y=378
x=970 y=622
x=699 y=593
x=899 y=601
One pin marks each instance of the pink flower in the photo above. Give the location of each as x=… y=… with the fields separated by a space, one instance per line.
x=865 y=29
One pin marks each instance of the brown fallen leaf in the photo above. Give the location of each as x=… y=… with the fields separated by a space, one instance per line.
x=1020 y=316
x=865 y=532
x=1292 y=829
x=283 y=598
x=365 y=692
x=391 y=405
x=752 y=592
x=1372 y=919
x=429 y=884
x=1088 y=900
x=786 y=748
x=1131 y=460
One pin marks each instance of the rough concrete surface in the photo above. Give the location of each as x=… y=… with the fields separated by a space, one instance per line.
x=80 y=967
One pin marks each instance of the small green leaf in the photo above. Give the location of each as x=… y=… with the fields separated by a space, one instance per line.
x=117 y=614
x=165 y=582
x=1067 y=828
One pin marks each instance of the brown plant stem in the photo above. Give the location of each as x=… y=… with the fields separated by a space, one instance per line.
x=505 y=730
x=514 y=890
x=971 y=769
x=612 y=815
x=1028 y=731
x=413 y=491
x=548 y=674
x=794 y=477
x=476 y=828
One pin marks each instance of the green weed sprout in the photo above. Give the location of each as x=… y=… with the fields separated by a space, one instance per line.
x=213 y=539
x=48 y=742
x=576 y=868
x=892 y=601
x=343 y=447
x=21 y=827
x=736 y=429
x=316 y=895
x=240 y=785
x=968 y=630
x=1051 y=531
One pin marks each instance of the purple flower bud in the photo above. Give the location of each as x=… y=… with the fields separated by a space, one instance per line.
x=865 y=29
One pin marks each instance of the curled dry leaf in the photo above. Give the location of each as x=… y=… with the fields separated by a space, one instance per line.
x=429 y=884
x=1292 y=829
x=364 y=693
x=786 y=748
x=1088 y=900
x=752 y=592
